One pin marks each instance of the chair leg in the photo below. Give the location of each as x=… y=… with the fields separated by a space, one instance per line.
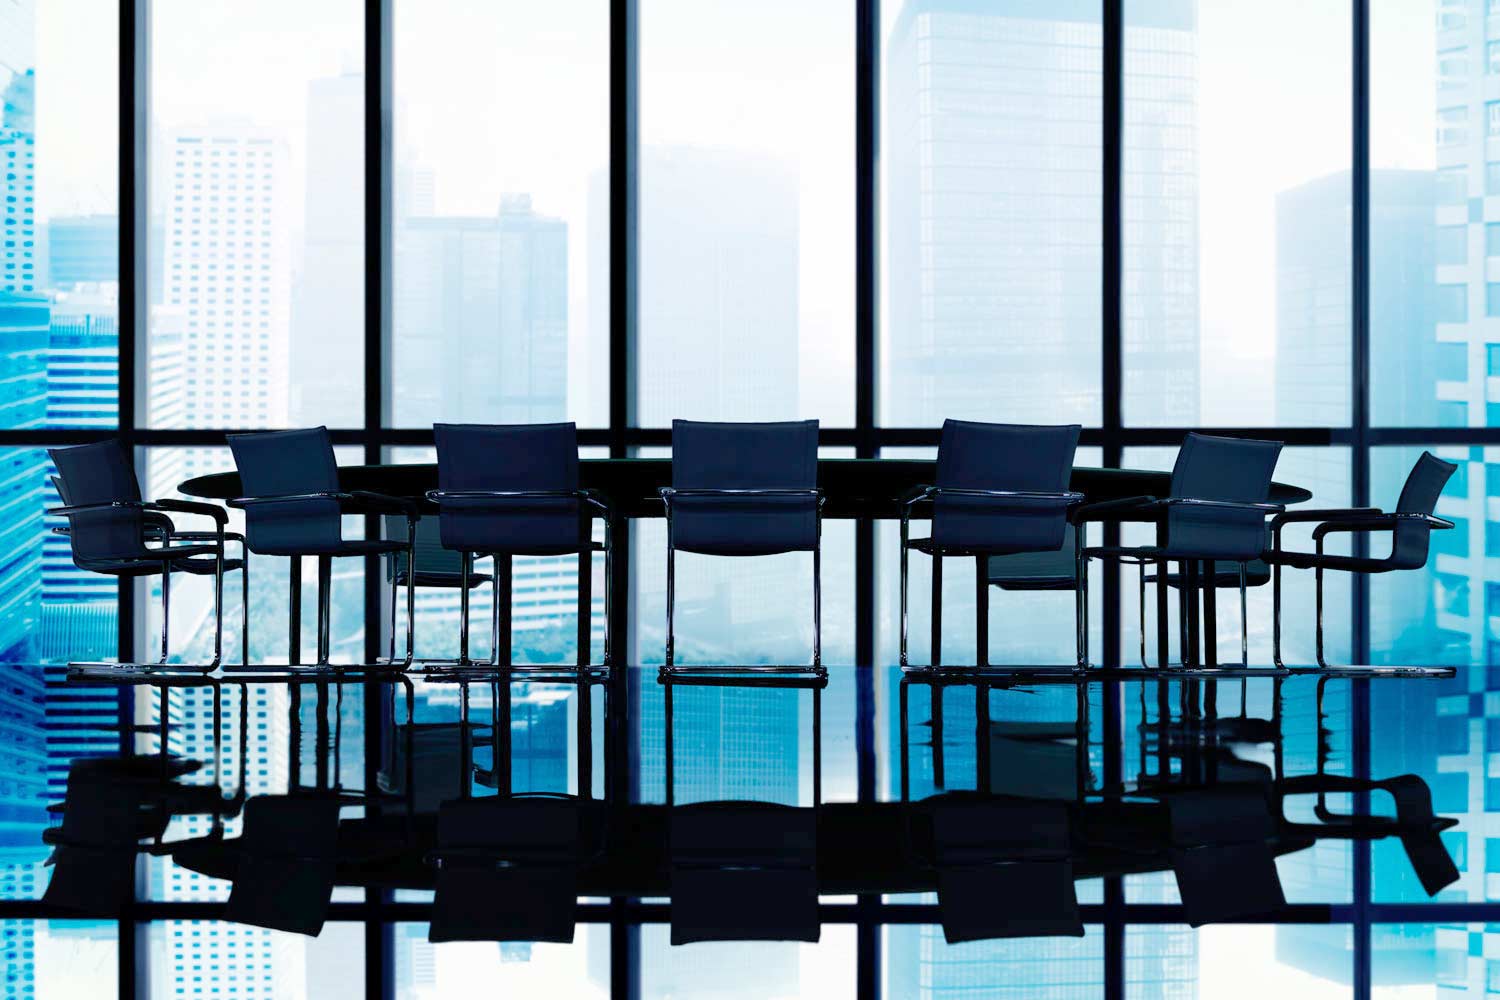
x=244 y=604
x=1318 y=630
x=503 y=576
x=981 y=612
x=671 y=601
x=1141 y=607
x=166 y=609
x=325 y=608
x=937 y=607
x=817 y=602
x=609 y=586
x=1163 y=626
x=1276 y=615
x=1080 y=600
x=1244 y=620
x=411 y=593
x=465 y=562
x=218 y=606
x=905 y=586
x=586 y=603
x=395 y=581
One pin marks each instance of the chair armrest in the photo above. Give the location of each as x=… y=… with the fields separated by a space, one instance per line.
x=1223 y=504
x=1340 y=513
x=1089 y=511
x=669 y=493
x=246 y=502
x=591 y=497
x=91 y=508
x=1379 y=522
x=219 y=515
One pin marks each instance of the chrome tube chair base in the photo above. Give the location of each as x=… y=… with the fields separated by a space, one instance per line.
x=294 y=507
x=108 y=529
x=501 y=618
x=670 y=668
x=1001 y=496
x=987 y=575
x=507 y=490
x=1410 y=526
x=1216 y=514
x=744 y=490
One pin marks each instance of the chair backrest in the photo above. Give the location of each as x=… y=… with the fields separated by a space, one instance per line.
x=744 y=456
x=1424 y=484
x=980 y=456
x=100 y=473
x=1220 y=468
x=288 y=463
x=509 y=458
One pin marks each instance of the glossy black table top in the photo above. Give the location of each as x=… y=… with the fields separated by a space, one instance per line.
x=854 y=487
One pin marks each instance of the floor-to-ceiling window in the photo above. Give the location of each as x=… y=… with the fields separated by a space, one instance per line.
x=876 y=213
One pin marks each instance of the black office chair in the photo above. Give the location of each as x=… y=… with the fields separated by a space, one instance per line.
x=1002 y=490
x=512 y=489
x=1216 y=513
x=109 y=527
x=744 y=489
x=1410 y=525
x=294 y=507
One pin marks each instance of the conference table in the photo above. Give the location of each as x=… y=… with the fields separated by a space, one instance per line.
x=852 y=488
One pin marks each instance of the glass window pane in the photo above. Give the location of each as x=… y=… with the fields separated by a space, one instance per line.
x=991 y=215
x=746 y=211
x=60 y=959
x=426 y=971
x=50 y=613
x=501 y=270
x=1427 y=962
x=234 y=960
x=1444 y=613
x=766 y=970
x=1237 y=246
x=919 y=963
x=1432 y=165
x=59 y=274
x=256 y=273
x=1238 y=962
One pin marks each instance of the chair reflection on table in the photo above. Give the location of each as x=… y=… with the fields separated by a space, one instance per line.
x=113 y=804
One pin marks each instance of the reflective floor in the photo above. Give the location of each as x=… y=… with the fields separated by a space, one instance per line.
x=1117 y=814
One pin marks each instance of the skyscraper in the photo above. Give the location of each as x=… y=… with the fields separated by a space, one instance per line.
x=227 y=266
x=482 y=317
x=327 y=322
x=21 y=265
x=82 y=248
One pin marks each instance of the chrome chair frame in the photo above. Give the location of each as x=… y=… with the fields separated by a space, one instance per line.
x=374 y=503
x=668 y=493
x=1142 y=556
x=1349 y=519
x=1067 y=498
x=165 y=532
x=600 y=509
